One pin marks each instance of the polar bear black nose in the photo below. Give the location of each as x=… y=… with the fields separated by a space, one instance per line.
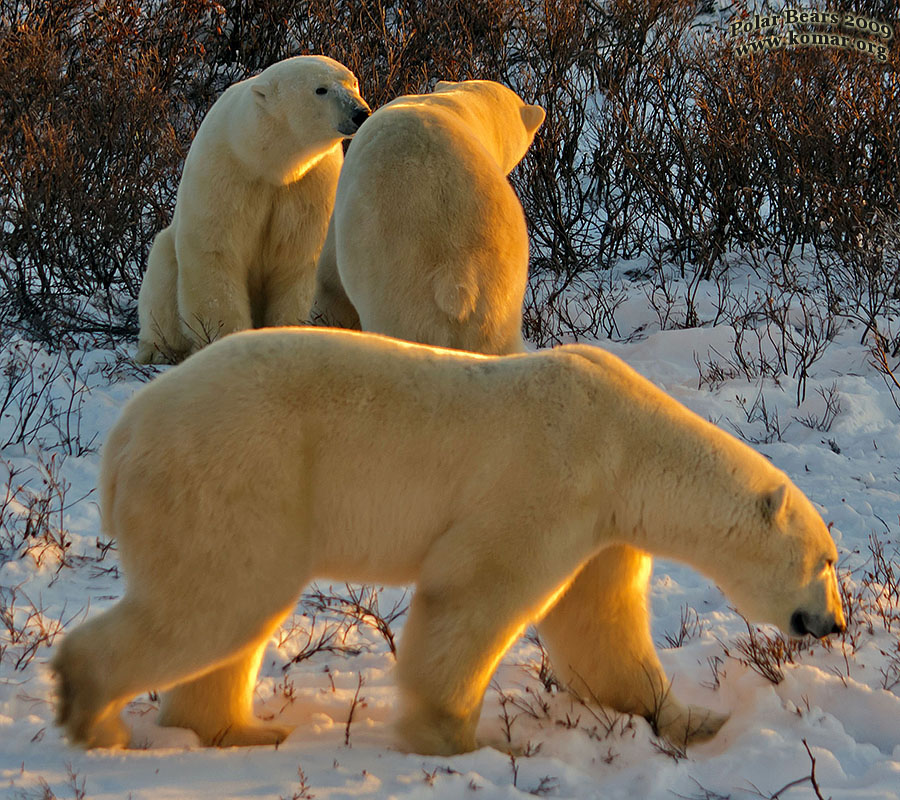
x=803 y=623
x=360 y=116
x=798 y=624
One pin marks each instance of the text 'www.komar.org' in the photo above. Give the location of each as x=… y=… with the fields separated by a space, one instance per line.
x=783 y=33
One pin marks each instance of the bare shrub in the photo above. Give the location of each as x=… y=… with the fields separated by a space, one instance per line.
x=696 y=152
x=74 y=783
x=356 y=702
x=767 y=655
x=312 y=639
x=26 y=626
x=832 y=399
x=543 y=670
x=303 y=791
x=32 y=516
x=571 y=306
x=659 y=142
x=890 y=673
x=690 y=627
x=359 y=607
x=799 y=334
x=91 y=148
x=882 y=362
x=881 y=578
x=42 y=396
x=759 y=412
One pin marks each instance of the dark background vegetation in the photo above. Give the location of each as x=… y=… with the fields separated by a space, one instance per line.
x=659 y=143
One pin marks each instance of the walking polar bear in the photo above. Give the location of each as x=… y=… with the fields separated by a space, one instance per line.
x=252 y=209
x=487 y=481
x=428 y=239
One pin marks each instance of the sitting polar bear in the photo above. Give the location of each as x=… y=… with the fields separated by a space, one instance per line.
x=487 y=481
x=252 y=209
x=428 y=240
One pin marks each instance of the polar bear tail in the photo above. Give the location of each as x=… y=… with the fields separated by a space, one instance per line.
x=455 y=295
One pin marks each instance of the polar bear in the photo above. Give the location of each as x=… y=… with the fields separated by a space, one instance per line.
x=486 y=481
x=428 y=240
x=252 y=208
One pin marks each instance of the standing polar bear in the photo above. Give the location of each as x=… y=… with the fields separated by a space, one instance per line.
x=488 y=482
x=428 y=240
x=252 y=208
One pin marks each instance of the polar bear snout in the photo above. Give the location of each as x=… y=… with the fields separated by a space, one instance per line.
x=360 y=116
x=357 y=114
x=818 y=625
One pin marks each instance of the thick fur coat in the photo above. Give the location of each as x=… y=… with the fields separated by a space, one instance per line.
x=428 y=240
x=252 y=209
x=275 y=457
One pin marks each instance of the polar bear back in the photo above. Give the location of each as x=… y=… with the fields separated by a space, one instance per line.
x=271 y=421
x=342 y=437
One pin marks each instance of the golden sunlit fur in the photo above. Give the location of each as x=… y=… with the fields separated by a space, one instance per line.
x=275 y=457
x=252 y=209
x=428 y=240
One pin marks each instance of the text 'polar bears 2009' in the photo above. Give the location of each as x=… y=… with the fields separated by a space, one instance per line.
x=782 y=32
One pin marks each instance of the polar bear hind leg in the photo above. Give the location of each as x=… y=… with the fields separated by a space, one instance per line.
x=606 y=606
x=218 y=706
x=331 y=307
x=134 y=647
x=161 y=340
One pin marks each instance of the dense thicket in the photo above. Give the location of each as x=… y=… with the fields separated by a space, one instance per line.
x=659 y=141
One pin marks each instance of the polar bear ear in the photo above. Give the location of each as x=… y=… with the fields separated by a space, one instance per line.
x=261 y=90
x=442 y=86
x=532 y=117
x=773 y=502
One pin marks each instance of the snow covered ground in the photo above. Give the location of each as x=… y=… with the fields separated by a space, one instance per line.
x=837 y=704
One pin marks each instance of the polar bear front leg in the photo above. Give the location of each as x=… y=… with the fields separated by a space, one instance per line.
x=471 y=603
x=218 y=706
x=598 y=638
x=213 y=297
x=289 y=295
x=444 y=664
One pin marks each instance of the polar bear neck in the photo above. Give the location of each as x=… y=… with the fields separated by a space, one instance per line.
x=495 y=137
x=278 y=162
x=686 y=489
x=471 y=116
x=266 y=149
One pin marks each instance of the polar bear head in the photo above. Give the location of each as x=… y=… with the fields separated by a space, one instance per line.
x=313 y=99
x=505 y=122
x=789 y=579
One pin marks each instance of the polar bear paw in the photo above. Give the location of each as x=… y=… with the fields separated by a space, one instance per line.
x=685 y=725
x=86 y=722
x=250 y=736
x=430 y=731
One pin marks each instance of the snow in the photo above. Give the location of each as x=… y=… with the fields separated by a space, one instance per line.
x=832 y=697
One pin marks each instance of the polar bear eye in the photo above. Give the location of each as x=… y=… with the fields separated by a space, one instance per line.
x=321 y=90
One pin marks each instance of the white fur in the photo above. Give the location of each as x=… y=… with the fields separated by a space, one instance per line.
x=251 y=211
x=274 y=457
x=428 y=240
